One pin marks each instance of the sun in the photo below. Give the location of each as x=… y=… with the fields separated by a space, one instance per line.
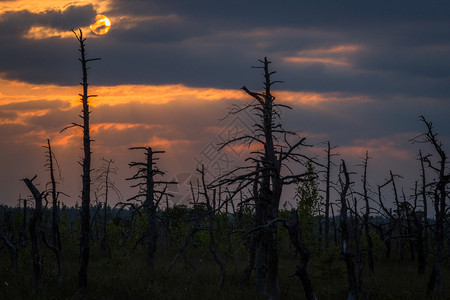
x=101 y=25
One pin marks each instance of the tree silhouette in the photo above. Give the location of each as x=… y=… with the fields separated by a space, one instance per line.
x=86 y=164
x=152 y=197
x=440 y=196
x=275 y=150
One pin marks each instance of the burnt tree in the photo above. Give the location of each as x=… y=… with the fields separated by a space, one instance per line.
x=327 y=192
x=86 y=164
x=35 y=224
x=440 y=195
x=274 y=151
x=295 y=234
x=345 y=236
x=55 y=235
x=146 y=171
x=105 y=185
x=210 y=213
x=366 y=216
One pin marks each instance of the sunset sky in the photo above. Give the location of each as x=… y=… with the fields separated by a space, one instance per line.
x=357 y=73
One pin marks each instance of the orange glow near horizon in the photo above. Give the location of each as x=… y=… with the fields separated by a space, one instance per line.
x=12 y=91
x=23 y=103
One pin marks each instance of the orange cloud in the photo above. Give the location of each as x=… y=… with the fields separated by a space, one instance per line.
x=337 y=55
x=44 y=5
x=41 y=32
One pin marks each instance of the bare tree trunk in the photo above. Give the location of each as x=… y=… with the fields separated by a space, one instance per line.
x=105 y=206
x=327 y=194
x=346 y=253
x=366 y=218
x=271 y=157
x=35 y=224
x=56 y=239
x=440 y=207
x=86 y=165
x=24 y=235
x=150 y=210
x=262 y=218
x=419 y=236
x=146 y=172
x=302 y=269
x=210 y=206
x=425 y=206
x=254 y=239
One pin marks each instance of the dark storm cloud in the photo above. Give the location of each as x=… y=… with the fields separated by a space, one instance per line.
x=50 y=60
x=403 y=45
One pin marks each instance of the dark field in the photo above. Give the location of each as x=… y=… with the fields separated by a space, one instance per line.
x=124 y=276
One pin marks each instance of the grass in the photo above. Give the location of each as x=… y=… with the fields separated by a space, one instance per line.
x=125 y=277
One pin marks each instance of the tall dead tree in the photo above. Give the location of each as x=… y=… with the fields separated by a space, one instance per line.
x=275 y=150
x=147 y=190
x=86 y=164
x=440 y=196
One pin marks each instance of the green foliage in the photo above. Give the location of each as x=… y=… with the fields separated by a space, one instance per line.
x=308 y=202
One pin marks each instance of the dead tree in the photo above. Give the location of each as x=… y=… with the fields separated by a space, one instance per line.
x=275 y=150
x=419 y=232
x=23 y=232
x=327 y=193
x=295 y=234
x=440 y=195
x=253 y=241
x=345 y=238
x=211 y=210
x=387 y=229
x=55 y=235
x=35 y=224
x=105 y=185
x=86 y=165
x=147 y=190
x=423 y=192
x=366 y=216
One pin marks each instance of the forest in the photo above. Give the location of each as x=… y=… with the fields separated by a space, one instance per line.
x=234 y=239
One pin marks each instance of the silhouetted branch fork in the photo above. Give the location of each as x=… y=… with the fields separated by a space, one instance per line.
x=295 y=178
x=145 y=148
x=246 y=137
x=258 y=96
x=71 y=126
x=261 y=227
